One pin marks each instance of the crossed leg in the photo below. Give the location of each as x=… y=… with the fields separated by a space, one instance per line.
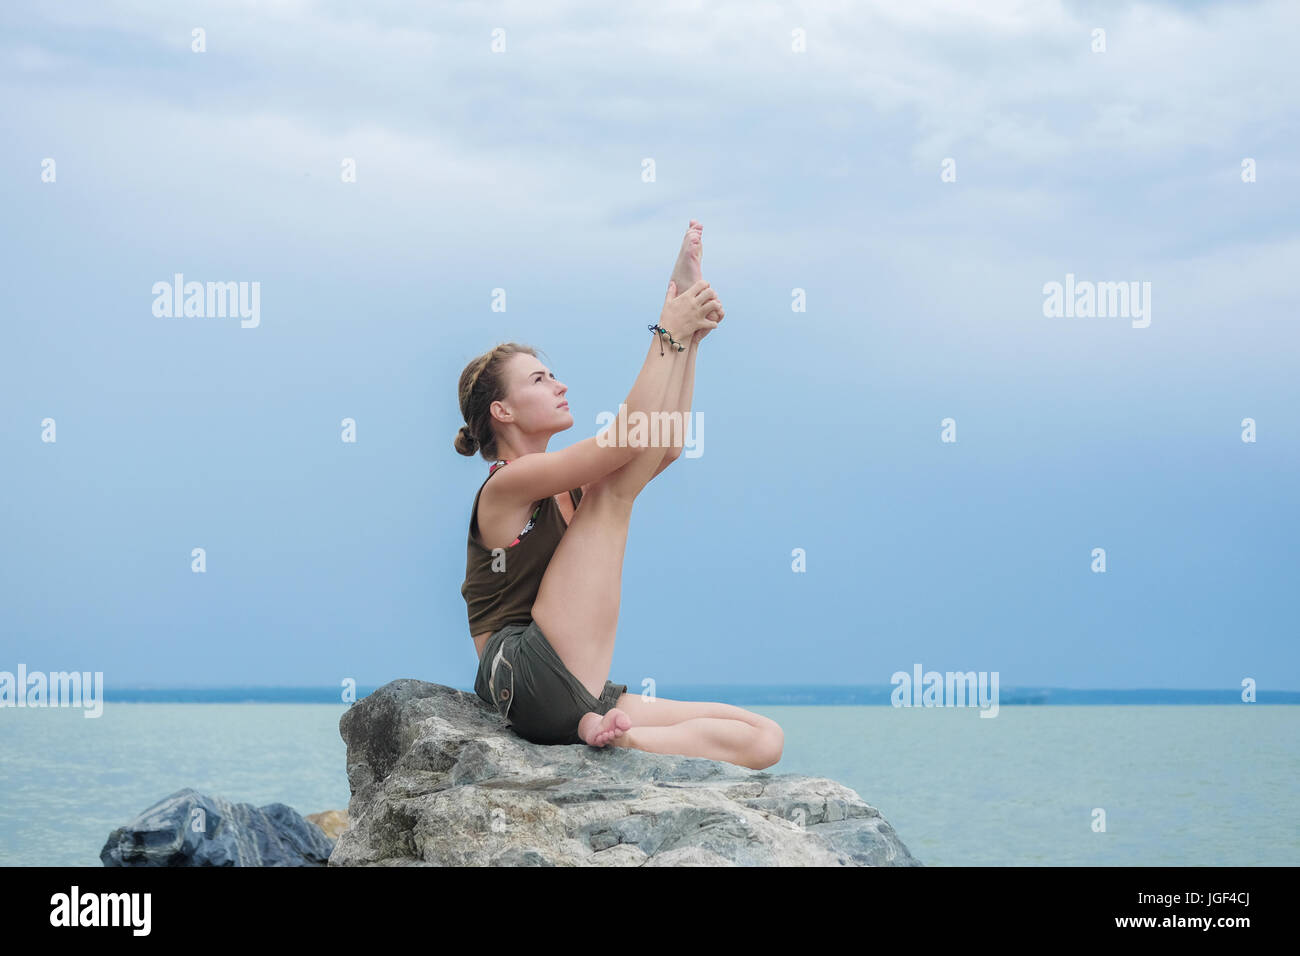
x=701 y=729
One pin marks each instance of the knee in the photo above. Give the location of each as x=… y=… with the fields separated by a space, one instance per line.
x=611 y=489
x=771 y=743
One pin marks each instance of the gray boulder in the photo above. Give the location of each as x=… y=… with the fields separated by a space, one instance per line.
x=437 y=779
x=189 y=828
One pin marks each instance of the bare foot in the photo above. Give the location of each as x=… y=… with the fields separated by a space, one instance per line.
x=686 y=271
x=597 y=730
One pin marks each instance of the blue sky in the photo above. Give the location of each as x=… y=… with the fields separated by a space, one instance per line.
x=522 y=170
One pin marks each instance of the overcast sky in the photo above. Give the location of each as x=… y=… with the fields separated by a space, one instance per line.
x=920 y=171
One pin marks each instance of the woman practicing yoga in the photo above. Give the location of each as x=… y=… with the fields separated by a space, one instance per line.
x=543 y=602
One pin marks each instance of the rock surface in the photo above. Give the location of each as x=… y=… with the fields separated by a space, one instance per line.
x=189 y=828
x=438 y=779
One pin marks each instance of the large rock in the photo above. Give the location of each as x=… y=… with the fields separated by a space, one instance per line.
x=189 y=828
x=438 y=779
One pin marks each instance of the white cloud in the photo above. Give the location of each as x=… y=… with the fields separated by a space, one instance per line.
x=554 y=130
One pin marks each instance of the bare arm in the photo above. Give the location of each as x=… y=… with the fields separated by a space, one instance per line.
x=658 y=388
x=650 y=391
x=535 y=476
x=685 y=383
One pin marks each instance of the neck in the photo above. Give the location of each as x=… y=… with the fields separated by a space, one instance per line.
x=522 y=445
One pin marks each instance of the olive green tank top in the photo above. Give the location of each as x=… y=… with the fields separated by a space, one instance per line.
x=500 y=589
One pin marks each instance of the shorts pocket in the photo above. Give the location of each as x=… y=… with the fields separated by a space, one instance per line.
x=501 y=682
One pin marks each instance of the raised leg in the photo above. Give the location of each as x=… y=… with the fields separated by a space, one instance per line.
x=578 y=600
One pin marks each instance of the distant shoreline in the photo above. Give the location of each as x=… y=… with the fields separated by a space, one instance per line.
x=739 y=694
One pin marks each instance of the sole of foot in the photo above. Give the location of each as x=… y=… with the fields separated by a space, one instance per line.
x=688 y=270
x=597 y=730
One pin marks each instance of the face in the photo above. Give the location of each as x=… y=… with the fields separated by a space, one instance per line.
x=536 y=397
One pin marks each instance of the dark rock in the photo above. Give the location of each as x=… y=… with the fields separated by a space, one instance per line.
x=189 y=828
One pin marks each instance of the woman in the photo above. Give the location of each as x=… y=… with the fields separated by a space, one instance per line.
x=543 y=601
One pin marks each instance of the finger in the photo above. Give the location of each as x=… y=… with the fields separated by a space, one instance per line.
x=695 y=288
x=704 y=295
x=672 y=291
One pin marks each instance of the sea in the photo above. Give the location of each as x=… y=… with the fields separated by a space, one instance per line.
x=1053 y=778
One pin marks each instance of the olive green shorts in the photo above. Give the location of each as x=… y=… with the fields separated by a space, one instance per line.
x=523 y=678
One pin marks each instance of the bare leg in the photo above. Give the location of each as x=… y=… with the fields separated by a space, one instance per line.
x=713 y=737
x=578 y=600
x=701 y=729
x=662 y=712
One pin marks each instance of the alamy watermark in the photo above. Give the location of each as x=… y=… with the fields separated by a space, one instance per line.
x=102 y=909
x=56 y=689
x=653 y=430
x=212 y=300
x=950 y=689
x=1088 y=300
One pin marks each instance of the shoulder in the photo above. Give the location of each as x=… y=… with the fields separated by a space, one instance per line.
x=483 y=487
x=491 y=493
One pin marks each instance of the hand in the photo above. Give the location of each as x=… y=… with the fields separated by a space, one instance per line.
x=687 y=313
x=716 y=314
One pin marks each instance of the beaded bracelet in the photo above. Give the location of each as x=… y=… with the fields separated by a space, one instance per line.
x=660 y=329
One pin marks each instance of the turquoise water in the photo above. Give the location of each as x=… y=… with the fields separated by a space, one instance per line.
x=1180 y=785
